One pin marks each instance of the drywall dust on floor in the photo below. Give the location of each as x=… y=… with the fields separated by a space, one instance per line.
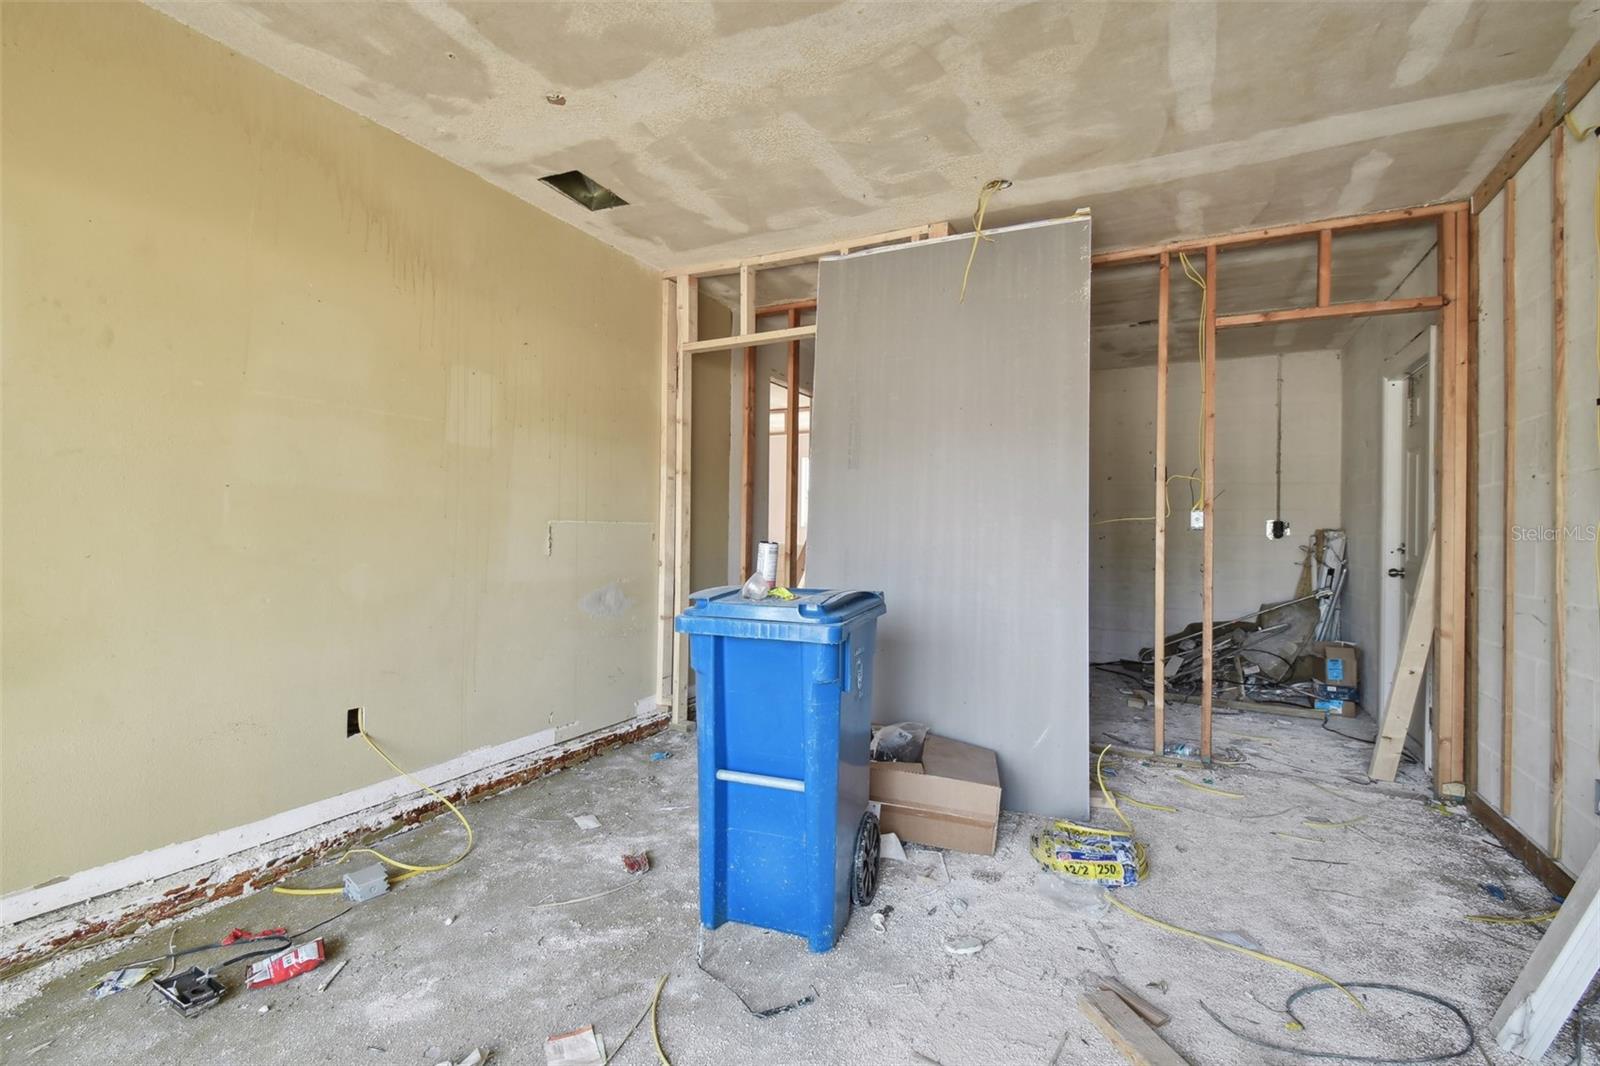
x=474 y=957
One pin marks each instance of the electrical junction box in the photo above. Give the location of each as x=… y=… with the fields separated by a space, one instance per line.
x=1197 y=518
x=1277 y=529
x=365 y=883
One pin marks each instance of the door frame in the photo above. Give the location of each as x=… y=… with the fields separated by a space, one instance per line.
x=1391 y=523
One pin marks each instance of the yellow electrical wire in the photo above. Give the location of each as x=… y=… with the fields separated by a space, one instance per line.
x=1215 y=942
x=655 y=1024
x=1207 y=788
x=988 y=190
x=1147 y=806
x=1180 y=930
x=1520 y=919
x=410 y=869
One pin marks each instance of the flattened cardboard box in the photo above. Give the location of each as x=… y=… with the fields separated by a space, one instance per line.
x=951 y=799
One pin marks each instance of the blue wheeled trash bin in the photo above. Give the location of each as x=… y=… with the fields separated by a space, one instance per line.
x=784 y=710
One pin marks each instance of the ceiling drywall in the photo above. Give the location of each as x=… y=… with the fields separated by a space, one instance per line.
x=740 y=128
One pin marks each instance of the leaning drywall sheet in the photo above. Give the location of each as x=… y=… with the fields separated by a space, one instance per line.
x=950 y=463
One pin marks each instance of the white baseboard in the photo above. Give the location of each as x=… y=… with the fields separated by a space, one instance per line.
x=295 y=831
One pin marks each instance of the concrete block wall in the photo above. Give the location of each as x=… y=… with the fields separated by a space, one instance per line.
x=1530 y=533
x=1251 y=569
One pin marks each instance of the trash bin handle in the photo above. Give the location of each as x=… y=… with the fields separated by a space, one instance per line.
x=813 y=610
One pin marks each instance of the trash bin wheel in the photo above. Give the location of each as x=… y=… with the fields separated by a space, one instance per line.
x=864 y=883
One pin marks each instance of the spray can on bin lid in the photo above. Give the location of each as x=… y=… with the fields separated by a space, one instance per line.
x=766 y=572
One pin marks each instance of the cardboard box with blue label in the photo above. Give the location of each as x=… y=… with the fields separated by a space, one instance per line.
x=1337 y=674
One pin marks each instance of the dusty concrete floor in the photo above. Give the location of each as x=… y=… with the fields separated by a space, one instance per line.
x=467 y=958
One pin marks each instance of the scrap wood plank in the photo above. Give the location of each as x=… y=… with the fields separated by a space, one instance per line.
x=1415 y=647
x=1557 y=974
x=1128 y=1033
x=1141 y=1006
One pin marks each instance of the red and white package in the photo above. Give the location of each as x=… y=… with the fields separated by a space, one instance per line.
x=290 y=962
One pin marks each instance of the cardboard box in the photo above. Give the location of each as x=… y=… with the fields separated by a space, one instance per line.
x=951 y=799
x=1337 y=673
x=1336 y=706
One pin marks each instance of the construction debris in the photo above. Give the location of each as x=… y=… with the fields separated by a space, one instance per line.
x=580 y=1047
x=125 y=978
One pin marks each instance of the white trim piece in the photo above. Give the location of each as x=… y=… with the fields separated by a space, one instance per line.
x=1391 y=520
x=1556 y=975
x=491 y=761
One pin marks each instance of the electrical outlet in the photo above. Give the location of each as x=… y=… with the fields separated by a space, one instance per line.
x=352 y=722
x=1197 y=518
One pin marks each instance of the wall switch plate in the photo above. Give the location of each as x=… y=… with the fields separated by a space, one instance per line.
x=1197 y=518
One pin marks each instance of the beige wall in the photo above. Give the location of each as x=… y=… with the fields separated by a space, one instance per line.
x=289 y=408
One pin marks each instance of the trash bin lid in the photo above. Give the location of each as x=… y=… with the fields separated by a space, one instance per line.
x=815 y=616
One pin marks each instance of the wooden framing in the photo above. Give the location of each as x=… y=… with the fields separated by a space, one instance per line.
x=747 y=471
x=1357 y=309
x=1508 y=570
x=1470 y=659
x=1324 y=268
x=1447 y=620
x=1208 y=472
x=1159 y=672
x=1451 y=520
x=1563 y=100
x=688 y=298
x=749 y=340
x=1451 y=526
x=1272 y=234
x=1558 y=403
x=667 y=510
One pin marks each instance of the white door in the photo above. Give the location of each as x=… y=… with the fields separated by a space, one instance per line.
x=1417 y=514
x=1403 y=560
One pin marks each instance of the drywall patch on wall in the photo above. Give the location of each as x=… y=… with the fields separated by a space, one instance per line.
x=1250 y=569
x=348 y=385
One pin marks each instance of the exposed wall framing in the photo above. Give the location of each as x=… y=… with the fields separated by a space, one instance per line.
x=1451 y=220
x=1502 y=181
x=1449 y=624
x=680 y=342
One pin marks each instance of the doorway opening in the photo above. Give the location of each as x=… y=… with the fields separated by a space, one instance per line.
x=778 y=524
x=1407 y=520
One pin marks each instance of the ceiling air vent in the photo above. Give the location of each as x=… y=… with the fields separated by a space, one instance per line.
x=579 y=187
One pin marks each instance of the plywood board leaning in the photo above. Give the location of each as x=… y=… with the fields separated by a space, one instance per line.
x=949 y=456
x=1409 y=671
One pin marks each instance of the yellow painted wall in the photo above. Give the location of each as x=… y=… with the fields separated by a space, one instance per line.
x=289 y=408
